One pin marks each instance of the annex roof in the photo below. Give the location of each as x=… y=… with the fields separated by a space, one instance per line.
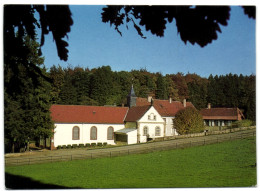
x=88 y=114
x=164 y=107
x=222 y=113
x=125 y=130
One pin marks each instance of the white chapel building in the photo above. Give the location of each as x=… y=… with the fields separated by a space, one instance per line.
x=143 y=120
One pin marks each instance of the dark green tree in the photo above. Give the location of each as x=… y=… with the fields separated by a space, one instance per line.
x=68 y=94
x=161 y=90
x=102 y=85
x=250 y=106
x=57 y=76
x=27 y=100
x=197 y=87
x=124 y=80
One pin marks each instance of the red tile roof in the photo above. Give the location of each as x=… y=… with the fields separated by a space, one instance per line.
x=135 y=113
x=164 y=107
x=88 y=114
x=222 y=113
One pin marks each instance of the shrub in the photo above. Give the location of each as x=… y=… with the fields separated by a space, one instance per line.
x=87 y=145
x=64 y=147
x=81 y=145
x=93 y=144
x=58 y=147
x=243 y=123
x=99 y=144
x=68 y=146
x=105 y=144
x=188 y=120
x=74 y=146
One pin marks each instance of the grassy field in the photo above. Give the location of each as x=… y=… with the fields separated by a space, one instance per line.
x=228 y=164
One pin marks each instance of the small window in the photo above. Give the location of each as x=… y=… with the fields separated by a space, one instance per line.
x=93 y=133
x=145 y=131
x=151 y=117
x=110 y=133
x=157 y=131
x=75 y=133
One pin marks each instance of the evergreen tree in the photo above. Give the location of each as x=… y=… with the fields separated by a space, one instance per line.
x=102 y=85
x=57 y=76
x=161 y=90
x=68 y=93
x=27 y=100
x=80 y=81
x=124 y=79
x=212 y=98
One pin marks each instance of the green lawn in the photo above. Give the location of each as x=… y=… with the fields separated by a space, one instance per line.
x=228 y=164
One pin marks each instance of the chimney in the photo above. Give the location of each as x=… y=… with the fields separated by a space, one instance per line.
x=170 y=99
x=209 y=105
x=184 y=102
x=149 y=98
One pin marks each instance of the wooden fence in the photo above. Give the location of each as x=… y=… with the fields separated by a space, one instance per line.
x=146 y=148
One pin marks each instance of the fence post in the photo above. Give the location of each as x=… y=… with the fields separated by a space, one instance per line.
x=70 y=157
x=29 y=162
x=204 y=141
x=110 y=154
x=128 y=151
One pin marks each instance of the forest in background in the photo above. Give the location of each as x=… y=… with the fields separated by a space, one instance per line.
x=102 y=86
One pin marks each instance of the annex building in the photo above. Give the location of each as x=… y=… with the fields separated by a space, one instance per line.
x=221 y=116
x=144 y=119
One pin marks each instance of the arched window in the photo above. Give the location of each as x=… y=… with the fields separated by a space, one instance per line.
x=145 y=131
x=157 y=131
x=110 y=133
x=93 y=133
x=75 y=133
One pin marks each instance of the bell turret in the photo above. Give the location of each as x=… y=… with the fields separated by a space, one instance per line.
x=131 y=98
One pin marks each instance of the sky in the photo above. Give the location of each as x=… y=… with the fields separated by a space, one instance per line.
x=93 y=44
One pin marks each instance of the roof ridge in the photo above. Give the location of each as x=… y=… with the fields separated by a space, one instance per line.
x=88 y=106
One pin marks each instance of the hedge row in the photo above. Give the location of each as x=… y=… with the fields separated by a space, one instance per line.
x=82 y=145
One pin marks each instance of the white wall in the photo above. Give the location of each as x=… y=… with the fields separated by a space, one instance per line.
x=132 y=137
x=170 y=131
x=151 y=129
x=169 y=125
x=151 y=123
x=152 y=112
x=63 y=133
